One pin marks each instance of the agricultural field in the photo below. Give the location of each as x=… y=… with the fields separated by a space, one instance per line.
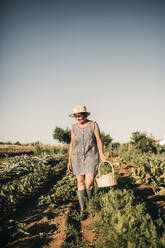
x=13 y=150
x=39 y=206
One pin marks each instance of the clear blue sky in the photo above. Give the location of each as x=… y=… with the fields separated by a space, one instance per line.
x=106 y=55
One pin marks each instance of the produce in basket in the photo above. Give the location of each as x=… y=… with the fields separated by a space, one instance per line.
x=106 y=180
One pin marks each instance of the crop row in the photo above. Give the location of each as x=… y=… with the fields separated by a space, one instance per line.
x=124 y=222
x=149 y=170
x=64 y=190
x=119 y=220
x=19 y=165
x=11 y=192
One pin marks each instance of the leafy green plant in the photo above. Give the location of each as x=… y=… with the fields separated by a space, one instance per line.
x=64 y=190
x=124 y=222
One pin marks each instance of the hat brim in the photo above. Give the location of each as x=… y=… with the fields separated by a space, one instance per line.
x=73 y=114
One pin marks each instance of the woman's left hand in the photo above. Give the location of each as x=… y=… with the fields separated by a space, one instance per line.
x=103 y=158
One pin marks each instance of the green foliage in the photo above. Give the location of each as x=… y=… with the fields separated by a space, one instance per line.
x=19 y=226
x=112 y=149
x=28 y=172
x=106 y=139
x=106 y=168
x=17 y=143
x=64 y=190
x=115 y=145
x=143 y=143
x=36 y=143
x=38 y=149
x=62 y=135
x=11 y=192
x=121 y=221
x=161 y=148
x=17 y=166
x=150 y=166
x=150 y=171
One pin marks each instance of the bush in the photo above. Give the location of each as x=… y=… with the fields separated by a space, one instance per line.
x=143 y=143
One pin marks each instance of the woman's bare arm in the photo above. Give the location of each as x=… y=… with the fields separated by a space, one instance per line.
x=70 y=149
x=99 y=142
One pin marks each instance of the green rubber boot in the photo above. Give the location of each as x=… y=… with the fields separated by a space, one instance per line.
x=82 y=199
x=89 y=204
x=89 y=193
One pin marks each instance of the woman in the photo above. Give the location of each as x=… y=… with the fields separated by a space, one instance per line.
x=84 y=151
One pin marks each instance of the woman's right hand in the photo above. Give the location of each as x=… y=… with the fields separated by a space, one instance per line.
x=69 y=166
x=103 y=158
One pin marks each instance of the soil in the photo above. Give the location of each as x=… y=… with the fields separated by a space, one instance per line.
x=47 y=229
x=86 y=231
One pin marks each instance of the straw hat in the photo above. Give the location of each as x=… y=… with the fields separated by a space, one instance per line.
x=79 y=109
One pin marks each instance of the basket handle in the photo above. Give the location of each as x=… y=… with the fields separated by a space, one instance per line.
x=108 y=163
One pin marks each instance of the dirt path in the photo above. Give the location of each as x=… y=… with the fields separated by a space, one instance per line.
x=86 y=231
x=59 y=235
x=46 y=228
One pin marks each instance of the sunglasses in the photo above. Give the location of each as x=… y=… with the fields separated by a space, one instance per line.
x=78 y=115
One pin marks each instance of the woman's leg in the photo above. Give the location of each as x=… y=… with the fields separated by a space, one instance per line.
x=81 y=193
x=80 y=182
x=89 y=180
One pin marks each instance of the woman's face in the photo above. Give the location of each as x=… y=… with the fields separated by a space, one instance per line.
x=80 y=117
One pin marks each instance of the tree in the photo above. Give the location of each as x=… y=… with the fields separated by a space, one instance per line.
x=17 y=143
x=105 y=138
x=143 y=143
x=62 y=135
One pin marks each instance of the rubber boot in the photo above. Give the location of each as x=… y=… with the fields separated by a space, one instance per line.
x=89 y=204
x=82 y=199
x=89 y=193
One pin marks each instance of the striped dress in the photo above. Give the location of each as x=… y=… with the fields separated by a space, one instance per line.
x=85 y=155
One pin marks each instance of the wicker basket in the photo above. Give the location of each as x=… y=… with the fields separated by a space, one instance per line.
x=107 y=180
